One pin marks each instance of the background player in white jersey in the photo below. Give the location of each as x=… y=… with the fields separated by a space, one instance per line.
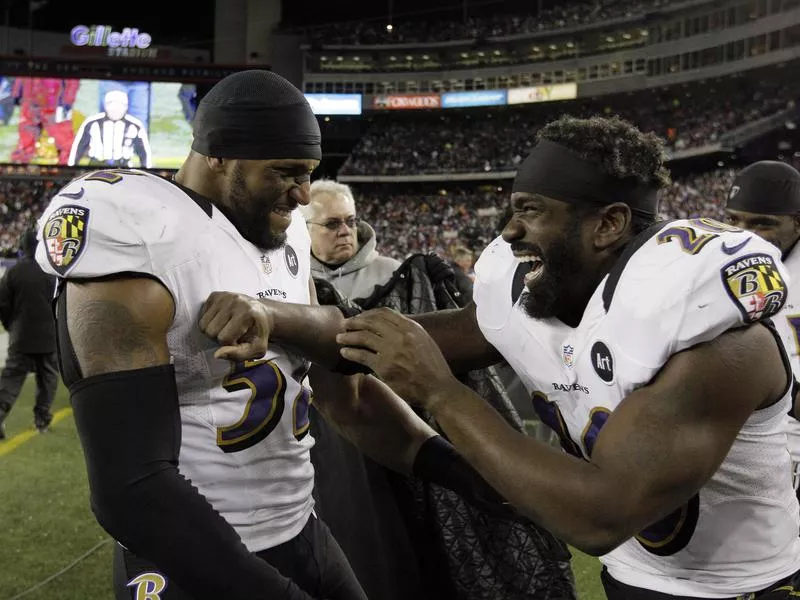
x=138 y=256
x=765 y=199
x=641 y=345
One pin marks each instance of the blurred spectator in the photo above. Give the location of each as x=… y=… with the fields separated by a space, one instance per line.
x=26 y=293
x=463 y=260
x=342 y=247
x=21 y=203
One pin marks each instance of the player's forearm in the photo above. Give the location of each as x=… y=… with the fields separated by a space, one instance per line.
x=457 y=334
x=580 y=509
x=307 y=330
x=371 y=417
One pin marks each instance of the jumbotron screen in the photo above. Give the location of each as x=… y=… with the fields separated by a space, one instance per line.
x=95 y=122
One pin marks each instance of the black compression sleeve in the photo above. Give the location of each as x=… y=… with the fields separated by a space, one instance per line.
x=438 y=462
x=129 y=426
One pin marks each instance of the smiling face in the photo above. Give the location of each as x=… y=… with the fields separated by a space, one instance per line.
x=782 y=231
x=260 y=196
x=547 y=235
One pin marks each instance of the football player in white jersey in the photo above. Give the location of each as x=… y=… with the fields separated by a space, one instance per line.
x=765 y=199
x=198 y=466
x=644 y=345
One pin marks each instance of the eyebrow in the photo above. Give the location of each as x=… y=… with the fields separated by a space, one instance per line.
x=292 y=168
x=520 y=200
x=763 y=221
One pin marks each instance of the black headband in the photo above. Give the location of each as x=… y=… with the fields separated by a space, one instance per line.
x=767 y=188
x=556 y=172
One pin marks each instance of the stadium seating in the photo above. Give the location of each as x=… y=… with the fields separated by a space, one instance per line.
x=420 y=30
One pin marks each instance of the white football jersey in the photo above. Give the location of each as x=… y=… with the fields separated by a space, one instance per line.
x=788 y=324
x=678 y=285
x=245 y=442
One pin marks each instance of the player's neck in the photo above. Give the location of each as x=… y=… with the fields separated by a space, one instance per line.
x=584 y=285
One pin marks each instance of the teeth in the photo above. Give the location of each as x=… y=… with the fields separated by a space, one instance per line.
x=530 y=259
x=534 y=273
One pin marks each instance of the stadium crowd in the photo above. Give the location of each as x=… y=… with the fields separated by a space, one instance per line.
x=497 y=140
x=405 y=221
x=439 y=30
x=408 y=223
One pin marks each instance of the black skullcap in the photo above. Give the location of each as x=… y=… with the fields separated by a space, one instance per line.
x=767 y=187
x=256 y=115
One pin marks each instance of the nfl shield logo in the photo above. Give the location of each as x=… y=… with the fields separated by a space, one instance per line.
x=568 y=351
x=266 y=265
x=64 y=236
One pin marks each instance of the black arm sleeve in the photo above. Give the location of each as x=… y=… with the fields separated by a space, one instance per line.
x=129 y=426
x=438 y=462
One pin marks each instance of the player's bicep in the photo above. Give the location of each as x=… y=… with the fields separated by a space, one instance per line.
x=119 y=325
x=664 y=441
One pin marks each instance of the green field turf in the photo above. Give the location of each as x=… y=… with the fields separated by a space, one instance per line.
x=45 y=521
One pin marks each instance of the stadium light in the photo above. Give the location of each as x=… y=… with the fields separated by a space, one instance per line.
x=389 y=27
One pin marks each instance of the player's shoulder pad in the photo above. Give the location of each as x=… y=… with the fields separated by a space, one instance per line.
x=109 y=222
x=499 y=281
x=494 y=261
x=690 y=280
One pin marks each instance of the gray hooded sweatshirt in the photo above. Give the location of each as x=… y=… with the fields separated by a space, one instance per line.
x=358 y=277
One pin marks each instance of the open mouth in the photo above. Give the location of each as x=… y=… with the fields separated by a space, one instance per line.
x=536 y=267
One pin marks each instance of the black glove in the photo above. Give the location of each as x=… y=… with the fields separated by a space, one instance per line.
x=328 y=295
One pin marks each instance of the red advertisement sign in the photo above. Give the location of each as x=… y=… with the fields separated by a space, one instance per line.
x=406 y=101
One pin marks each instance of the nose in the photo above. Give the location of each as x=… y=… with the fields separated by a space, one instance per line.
x=301 y=193
x=513 y=230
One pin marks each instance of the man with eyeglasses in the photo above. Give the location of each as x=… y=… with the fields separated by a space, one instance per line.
x=353 y=494
x=343 y=248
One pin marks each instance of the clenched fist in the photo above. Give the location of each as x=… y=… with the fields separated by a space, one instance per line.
x=239 y=323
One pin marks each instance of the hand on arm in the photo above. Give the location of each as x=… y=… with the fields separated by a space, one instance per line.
x=661 y=444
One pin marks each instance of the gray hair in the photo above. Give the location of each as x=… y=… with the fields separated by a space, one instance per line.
x=325 y=186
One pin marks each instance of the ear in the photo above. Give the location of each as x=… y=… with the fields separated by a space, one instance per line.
x=612 y=226
x=216 y=165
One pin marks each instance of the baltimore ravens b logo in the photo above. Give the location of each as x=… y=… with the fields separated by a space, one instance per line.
x=65 y=236
x=755 y=285
x=148 y=586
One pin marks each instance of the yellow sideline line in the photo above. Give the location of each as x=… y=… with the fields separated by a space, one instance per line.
x=19 y=439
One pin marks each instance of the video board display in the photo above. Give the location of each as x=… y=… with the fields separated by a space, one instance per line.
x=45 y=120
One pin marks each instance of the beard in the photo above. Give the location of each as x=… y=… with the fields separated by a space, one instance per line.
x=562 y=264
x=250 y=213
